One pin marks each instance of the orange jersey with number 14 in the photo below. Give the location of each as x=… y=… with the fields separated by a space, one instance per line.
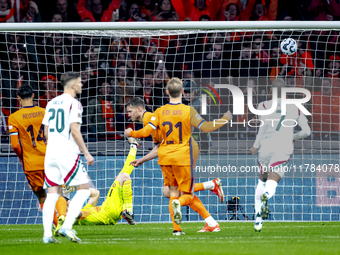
x=27 y=124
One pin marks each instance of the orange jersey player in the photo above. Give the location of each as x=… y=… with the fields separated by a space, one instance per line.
x=175 y=153
x=29 y=144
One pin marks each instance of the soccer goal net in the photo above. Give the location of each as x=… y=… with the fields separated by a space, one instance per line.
x=118 y=61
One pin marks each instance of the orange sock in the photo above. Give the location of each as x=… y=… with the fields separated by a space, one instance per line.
x=171 y=210
x=185 y=199
x=61 y=206
x=198 y=187
x=198 y=207
x=41 y=206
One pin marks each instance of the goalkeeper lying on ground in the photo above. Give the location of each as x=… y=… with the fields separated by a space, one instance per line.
x=118 y=202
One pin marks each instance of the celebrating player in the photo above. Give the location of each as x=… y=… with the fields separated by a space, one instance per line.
x=62 y=161
x=275 y=146
x=29 y=144
x=175 y=153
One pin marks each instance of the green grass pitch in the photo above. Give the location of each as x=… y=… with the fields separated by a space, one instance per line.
x=234 y=238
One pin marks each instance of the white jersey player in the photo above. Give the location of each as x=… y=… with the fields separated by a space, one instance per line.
x=62 y=161
x=275 y=145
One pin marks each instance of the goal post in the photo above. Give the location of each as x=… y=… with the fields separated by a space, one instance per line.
x=117 y=61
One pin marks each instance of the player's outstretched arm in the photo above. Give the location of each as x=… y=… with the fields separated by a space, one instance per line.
x=142 y=133
x=80 y=142
x=209 y=126
x=305 y=129
x=151 y=155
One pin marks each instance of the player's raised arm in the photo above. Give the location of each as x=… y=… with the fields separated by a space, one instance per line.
x=208 y=126
x=305 y=129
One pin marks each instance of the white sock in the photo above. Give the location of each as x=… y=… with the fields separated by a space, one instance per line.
x=211 y=221
x=74 y=209
x=270 y=188
x=48 y=212
x=208 y=185
x=260 y=189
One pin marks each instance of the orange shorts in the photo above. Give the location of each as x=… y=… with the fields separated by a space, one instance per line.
x=180 y=176
x=35 y=179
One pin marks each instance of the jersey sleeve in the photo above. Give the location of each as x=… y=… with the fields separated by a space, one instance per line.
x=46 y=116
x=203 y=125
x=147 y=130
x=262 y=130
x=14 y=133
x=76 y=112
x=12 y=126
x=305 y=129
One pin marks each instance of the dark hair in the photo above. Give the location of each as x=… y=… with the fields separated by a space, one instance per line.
x=135 y=102
x=204 y=17
x=25 y=91
x=148 y=72
x=66 y=77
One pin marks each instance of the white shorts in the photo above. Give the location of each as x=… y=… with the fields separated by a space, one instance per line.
x=273 y=162
x=68 y=171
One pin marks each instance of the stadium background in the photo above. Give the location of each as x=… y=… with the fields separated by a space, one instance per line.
x=125 y=66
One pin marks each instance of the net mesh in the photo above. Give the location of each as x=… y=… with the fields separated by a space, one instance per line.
x=118 y=65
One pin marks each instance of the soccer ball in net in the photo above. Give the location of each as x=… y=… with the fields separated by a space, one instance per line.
x=288 y=46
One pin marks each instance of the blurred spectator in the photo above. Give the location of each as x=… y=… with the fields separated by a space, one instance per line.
x=302 y=58
x=4 y=113
x=134 y=13
x=325 y=109
x=274 y=67
x=124 y=88
x=191 y=94
x=6 y=11
x=166 y=12
x=258 y=47
x=232 y=12
x=57 y=17
x=189 y=10
x=67 y=11
x=102 y=118
x=324 y=10
x=263 y=12
x=32 y=14
x=94 y=10
x=149 y=9
x=212 y=65
x=58 y=62
x=15 y=78
x=152 y=97
x=333 y=69
x=49 y=87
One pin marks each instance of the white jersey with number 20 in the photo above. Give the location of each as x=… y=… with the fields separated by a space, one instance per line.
x=60 y=113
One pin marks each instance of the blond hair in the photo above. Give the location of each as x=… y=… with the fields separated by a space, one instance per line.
x=174 y=86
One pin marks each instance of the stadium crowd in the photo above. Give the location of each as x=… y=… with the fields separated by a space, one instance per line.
x=114 y=69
